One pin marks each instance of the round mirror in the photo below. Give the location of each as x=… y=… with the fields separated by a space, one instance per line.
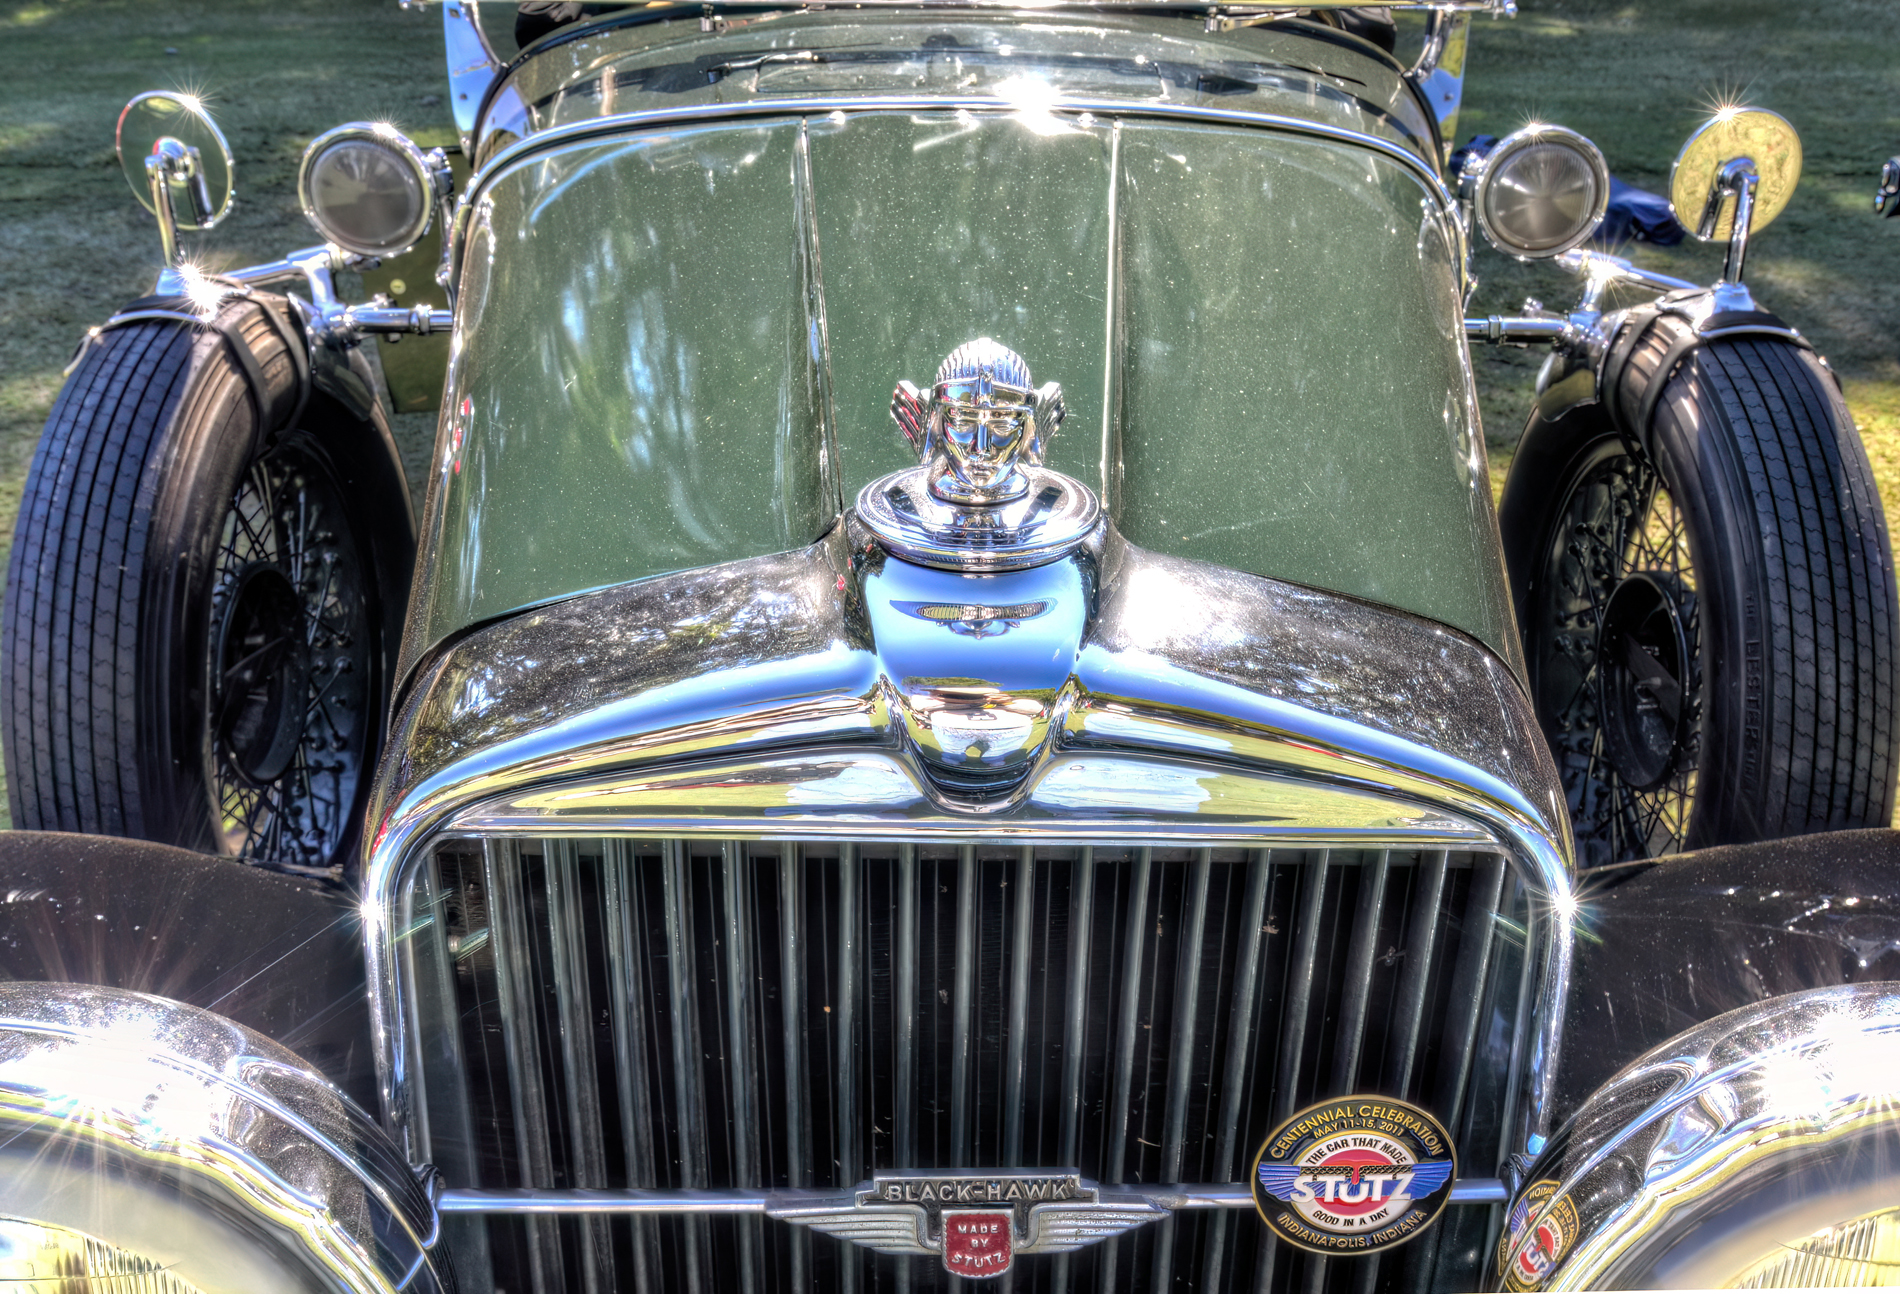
x=1763 y=137
x=177 y=127
x=367 y=188
x=1542 y=191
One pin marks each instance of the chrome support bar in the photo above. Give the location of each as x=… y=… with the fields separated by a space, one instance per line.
x=1519 y=330
x=1176 y=1198
x=421 y=320
x=1603 y=268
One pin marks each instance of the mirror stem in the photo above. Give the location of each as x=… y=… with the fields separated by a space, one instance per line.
x=157 y=167
x=1737 y=177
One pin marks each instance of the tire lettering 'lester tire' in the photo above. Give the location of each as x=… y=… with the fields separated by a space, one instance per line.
x=1711 y=625
x=202 y=603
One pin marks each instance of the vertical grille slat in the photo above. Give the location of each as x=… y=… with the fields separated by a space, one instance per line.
x=1358 y=992
x=700 y=1014
x=962 y=1008
x=1300 y=987
x=741 y=1059
x=904 y=990
x=689 y=1088
x=1023 y=887
x=1418 y=964
x=791 y=990
x=514 y=974
x=623 y=913
x=568 y=953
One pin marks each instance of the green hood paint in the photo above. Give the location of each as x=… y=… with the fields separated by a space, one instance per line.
x=1258 y=335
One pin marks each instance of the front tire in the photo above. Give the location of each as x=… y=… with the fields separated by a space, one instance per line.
x=1710 y=622
x=203 y=599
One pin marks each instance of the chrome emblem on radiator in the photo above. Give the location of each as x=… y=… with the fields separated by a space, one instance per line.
x=977 y=1222
x=1354 y=1175
x=981 y=500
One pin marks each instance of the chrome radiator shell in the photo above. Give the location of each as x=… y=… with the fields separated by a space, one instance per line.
x=1199 y=709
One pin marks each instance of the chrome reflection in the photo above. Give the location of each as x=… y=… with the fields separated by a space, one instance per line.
x=781 y=695
x=197 y=1146
x=1739 y=1153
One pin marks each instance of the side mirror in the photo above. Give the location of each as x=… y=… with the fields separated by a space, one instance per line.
x=1733 y=177
x=177 y=162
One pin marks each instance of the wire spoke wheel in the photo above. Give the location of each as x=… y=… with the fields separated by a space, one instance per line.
x=1618 y=659
x=287 y=677
x=1708 y=612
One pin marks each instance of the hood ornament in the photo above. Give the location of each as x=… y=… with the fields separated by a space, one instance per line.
x=981 y=500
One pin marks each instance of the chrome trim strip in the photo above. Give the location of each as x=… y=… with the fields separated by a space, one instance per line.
x=1023 y=889
x=1364 y=947
x=1176 y=1198
x=1418 y=961
x=963 y=1007
x=560 y=861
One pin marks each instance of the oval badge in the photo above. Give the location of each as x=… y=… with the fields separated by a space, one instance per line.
x=1524 y=1261
x=1354 y=1175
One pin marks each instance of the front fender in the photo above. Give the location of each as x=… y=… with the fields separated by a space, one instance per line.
x=278 y=954
x=1663 y=948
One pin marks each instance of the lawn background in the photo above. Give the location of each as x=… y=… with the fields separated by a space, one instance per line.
x=1636 y=78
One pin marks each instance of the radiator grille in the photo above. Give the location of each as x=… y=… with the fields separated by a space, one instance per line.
x=705 y=1014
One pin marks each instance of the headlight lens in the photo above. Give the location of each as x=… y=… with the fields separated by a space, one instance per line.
x=1542 y=191
x=39 y=1259
x=367 y=188
x=1861 y=1252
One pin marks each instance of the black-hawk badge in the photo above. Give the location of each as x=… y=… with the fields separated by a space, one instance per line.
x=1354 y=1175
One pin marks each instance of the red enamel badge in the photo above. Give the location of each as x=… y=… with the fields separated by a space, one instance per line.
x=975 y=1244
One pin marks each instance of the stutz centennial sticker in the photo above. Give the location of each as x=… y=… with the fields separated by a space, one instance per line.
x=1354 y=1175
x=1549 y=1239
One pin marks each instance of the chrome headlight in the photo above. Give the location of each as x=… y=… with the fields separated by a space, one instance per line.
x=367 y=188
x=158 y=1149
x=1540 y=192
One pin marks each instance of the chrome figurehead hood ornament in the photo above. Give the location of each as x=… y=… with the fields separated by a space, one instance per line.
x=982 y=500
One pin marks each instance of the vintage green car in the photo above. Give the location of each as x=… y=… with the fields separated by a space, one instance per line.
x=959 y=706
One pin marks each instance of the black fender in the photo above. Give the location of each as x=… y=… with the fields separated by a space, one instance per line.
x=1665 y=946
x=279 y=954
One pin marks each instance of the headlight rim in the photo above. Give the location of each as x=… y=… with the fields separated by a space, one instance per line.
x=1517 y=142
x=408 y=153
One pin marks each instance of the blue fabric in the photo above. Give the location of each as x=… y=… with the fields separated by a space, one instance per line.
x=1637 y=216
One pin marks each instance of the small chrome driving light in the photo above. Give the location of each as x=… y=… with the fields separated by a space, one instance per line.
x=368 y=188
x=1540 y=192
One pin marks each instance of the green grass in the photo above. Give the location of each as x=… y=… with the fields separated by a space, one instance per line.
x=1635 y=78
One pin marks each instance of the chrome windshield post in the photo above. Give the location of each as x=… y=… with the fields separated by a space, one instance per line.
x=473 y=65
